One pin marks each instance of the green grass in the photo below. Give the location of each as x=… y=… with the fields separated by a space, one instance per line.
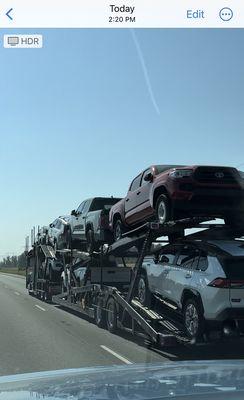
x=14 y=271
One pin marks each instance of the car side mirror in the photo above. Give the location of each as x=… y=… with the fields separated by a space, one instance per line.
x=73 y=212
x=148 y=177
x=51 y=225
x=164 y=259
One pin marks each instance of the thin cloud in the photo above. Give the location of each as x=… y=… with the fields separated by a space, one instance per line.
x=145 y=71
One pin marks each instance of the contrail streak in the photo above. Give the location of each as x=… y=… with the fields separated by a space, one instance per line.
x=145 y=72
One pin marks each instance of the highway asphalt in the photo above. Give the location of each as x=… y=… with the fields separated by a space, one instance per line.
x=37 y=336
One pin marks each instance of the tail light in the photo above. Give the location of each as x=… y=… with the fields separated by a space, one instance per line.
x=220 y=283
x=227 y=283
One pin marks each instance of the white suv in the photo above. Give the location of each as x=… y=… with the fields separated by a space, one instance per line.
x=203 y=280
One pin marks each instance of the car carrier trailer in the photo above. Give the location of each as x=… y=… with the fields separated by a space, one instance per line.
x=107 y=289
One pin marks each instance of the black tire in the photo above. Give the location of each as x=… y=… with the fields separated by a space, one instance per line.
x=162 y=209
x=143 y=292
x=111 y=315
x=63 y=287
x=47 y=297
x=91 y=245
x=99 y=314
x=118 y=229
x=193 y=319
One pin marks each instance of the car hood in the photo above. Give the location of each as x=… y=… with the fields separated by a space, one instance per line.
x=147 y=381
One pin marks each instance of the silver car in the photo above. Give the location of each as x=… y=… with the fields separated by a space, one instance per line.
x=59 y=232
x=201 y=279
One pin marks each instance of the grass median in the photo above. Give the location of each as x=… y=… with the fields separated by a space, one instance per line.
x=14 y=271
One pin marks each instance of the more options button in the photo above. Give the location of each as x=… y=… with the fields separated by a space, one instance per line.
x=226 y=14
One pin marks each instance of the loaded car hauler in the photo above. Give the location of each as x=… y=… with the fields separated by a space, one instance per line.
x=103 y=285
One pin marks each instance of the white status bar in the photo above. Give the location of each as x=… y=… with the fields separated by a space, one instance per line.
x=127 y=14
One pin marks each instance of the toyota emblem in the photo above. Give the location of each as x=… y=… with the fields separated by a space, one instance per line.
x=219 y=174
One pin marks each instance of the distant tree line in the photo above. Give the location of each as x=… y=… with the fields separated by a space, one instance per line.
x=14 y=262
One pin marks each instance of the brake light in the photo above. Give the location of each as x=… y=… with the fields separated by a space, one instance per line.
x=222 y=283
x=227 y=283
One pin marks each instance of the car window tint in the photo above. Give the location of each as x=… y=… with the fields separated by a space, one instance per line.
x=80 y=208
x=188 y=258
x=233 y=267
x=58 y=224
x=187 y=261
x=86 y=207
x=144 y=174
x=135 y=183
x=169 y=252
x=202 y=263
x=100 y=203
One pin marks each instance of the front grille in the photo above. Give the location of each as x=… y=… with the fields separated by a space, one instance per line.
x=217 y=175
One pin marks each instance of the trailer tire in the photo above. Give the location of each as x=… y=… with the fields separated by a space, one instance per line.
x=111 y=315
x=99 y=314
x=63 y=287
x=47 y=297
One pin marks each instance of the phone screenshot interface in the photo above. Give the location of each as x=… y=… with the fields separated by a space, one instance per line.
x=122 y=193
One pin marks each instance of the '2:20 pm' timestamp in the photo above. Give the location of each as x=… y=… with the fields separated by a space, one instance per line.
x=120 y=19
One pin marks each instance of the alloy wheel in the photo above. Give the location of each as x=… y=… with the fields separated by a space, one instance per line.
x=142 y=291
x=191 y=319
x=162 y=212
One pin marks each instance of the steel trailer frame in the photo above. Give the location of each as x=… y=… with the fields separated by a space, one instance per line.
x=115 y=303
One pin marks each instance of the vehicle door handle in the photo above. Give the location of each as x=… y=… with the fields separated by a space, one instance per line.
x=188 y=275
x=127 y=199
x=138 y=192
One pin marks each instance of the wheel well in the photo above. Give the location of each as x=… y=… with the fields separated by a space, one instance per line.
x=158 y=191
x=189 y=294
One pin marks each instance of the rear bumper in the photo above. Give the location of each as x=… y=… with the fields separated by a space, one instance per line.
x=228 y=314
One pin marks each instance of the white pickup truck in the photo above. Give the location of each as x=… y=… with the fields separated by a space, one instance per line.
x=89 y=223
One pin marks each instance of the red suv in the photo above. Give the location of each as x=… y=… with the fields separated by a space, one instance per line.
x=171 y=192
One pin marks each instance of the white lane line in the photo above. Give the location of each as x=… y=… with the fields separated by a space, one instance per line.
x=17 y=293
x=121 y=358
x=40 y=308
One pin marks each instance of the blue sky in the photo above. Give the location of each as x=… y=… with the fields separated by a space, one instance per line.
x=82 y=116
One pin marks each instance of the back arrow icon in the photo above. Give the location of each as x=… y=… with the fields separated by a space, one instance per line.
x=8 y=13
